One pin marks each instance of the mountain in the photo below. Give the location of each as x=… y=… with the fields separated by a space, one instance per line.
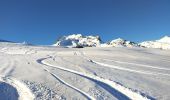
x=78 y=40
x=163 y=43
x=4 y=40
x=120 y=43
x=165 y=39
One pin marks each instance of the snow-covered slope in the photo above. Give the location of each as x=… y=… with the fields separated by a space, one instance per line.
x=77 y=40
x=83 y=74
x=163 y=43
x=120 y=43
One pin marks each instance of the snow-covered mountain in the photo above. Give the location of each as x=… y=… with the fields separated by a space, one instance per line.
x=120 y=43
x=165 y=39
x=78 y=40
x=163 y=43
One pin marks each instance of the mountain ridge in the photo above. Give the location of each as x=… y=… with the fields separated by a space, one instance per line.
x=78 y=40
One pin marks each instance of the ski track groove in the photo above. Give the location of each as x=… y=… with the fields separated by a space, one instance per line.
x=123 y=90
x=65 y=83
x=8 y=68
x=4 y=68
x=142 y=65
x=121 y=68
x=130 y=70
x=23 y=92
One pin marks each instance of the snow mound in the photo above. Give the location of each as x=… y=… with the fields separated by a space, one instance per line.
x=8 y=92
x=77 y=40
x=120 y=43
x=12 y=89
x=163 y=43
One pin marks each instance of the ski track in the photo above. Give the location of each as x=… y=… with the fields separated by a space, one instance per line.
x=65 y=83
x=137 y=64
x=123 y=91
x=16 y=89
x=8 y=68
x=4 y=67
x=130 y=70
x=125 y=69
x=8 y=71
x=121 y=68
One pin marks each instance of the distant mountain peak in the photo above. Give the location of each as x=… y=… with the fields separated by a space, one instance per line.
x=163 y=43
x=118 y=40
x=1 y=40
x=165 y=39
x=74 y=36
x=78 y=40
x=123 y=43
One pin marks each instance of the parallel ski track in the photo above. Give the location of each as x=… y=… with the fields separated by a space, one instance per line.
x=126 y=92
x=65 y=83
x=22 y=90
x=124 y=69
x=137 y=64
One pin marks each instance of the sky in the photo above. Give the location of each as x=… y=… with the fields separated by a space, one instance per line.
x=42 y=22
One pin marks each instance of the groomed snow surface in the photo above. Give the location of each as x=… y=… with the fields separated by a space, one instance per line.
x=55 y=73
